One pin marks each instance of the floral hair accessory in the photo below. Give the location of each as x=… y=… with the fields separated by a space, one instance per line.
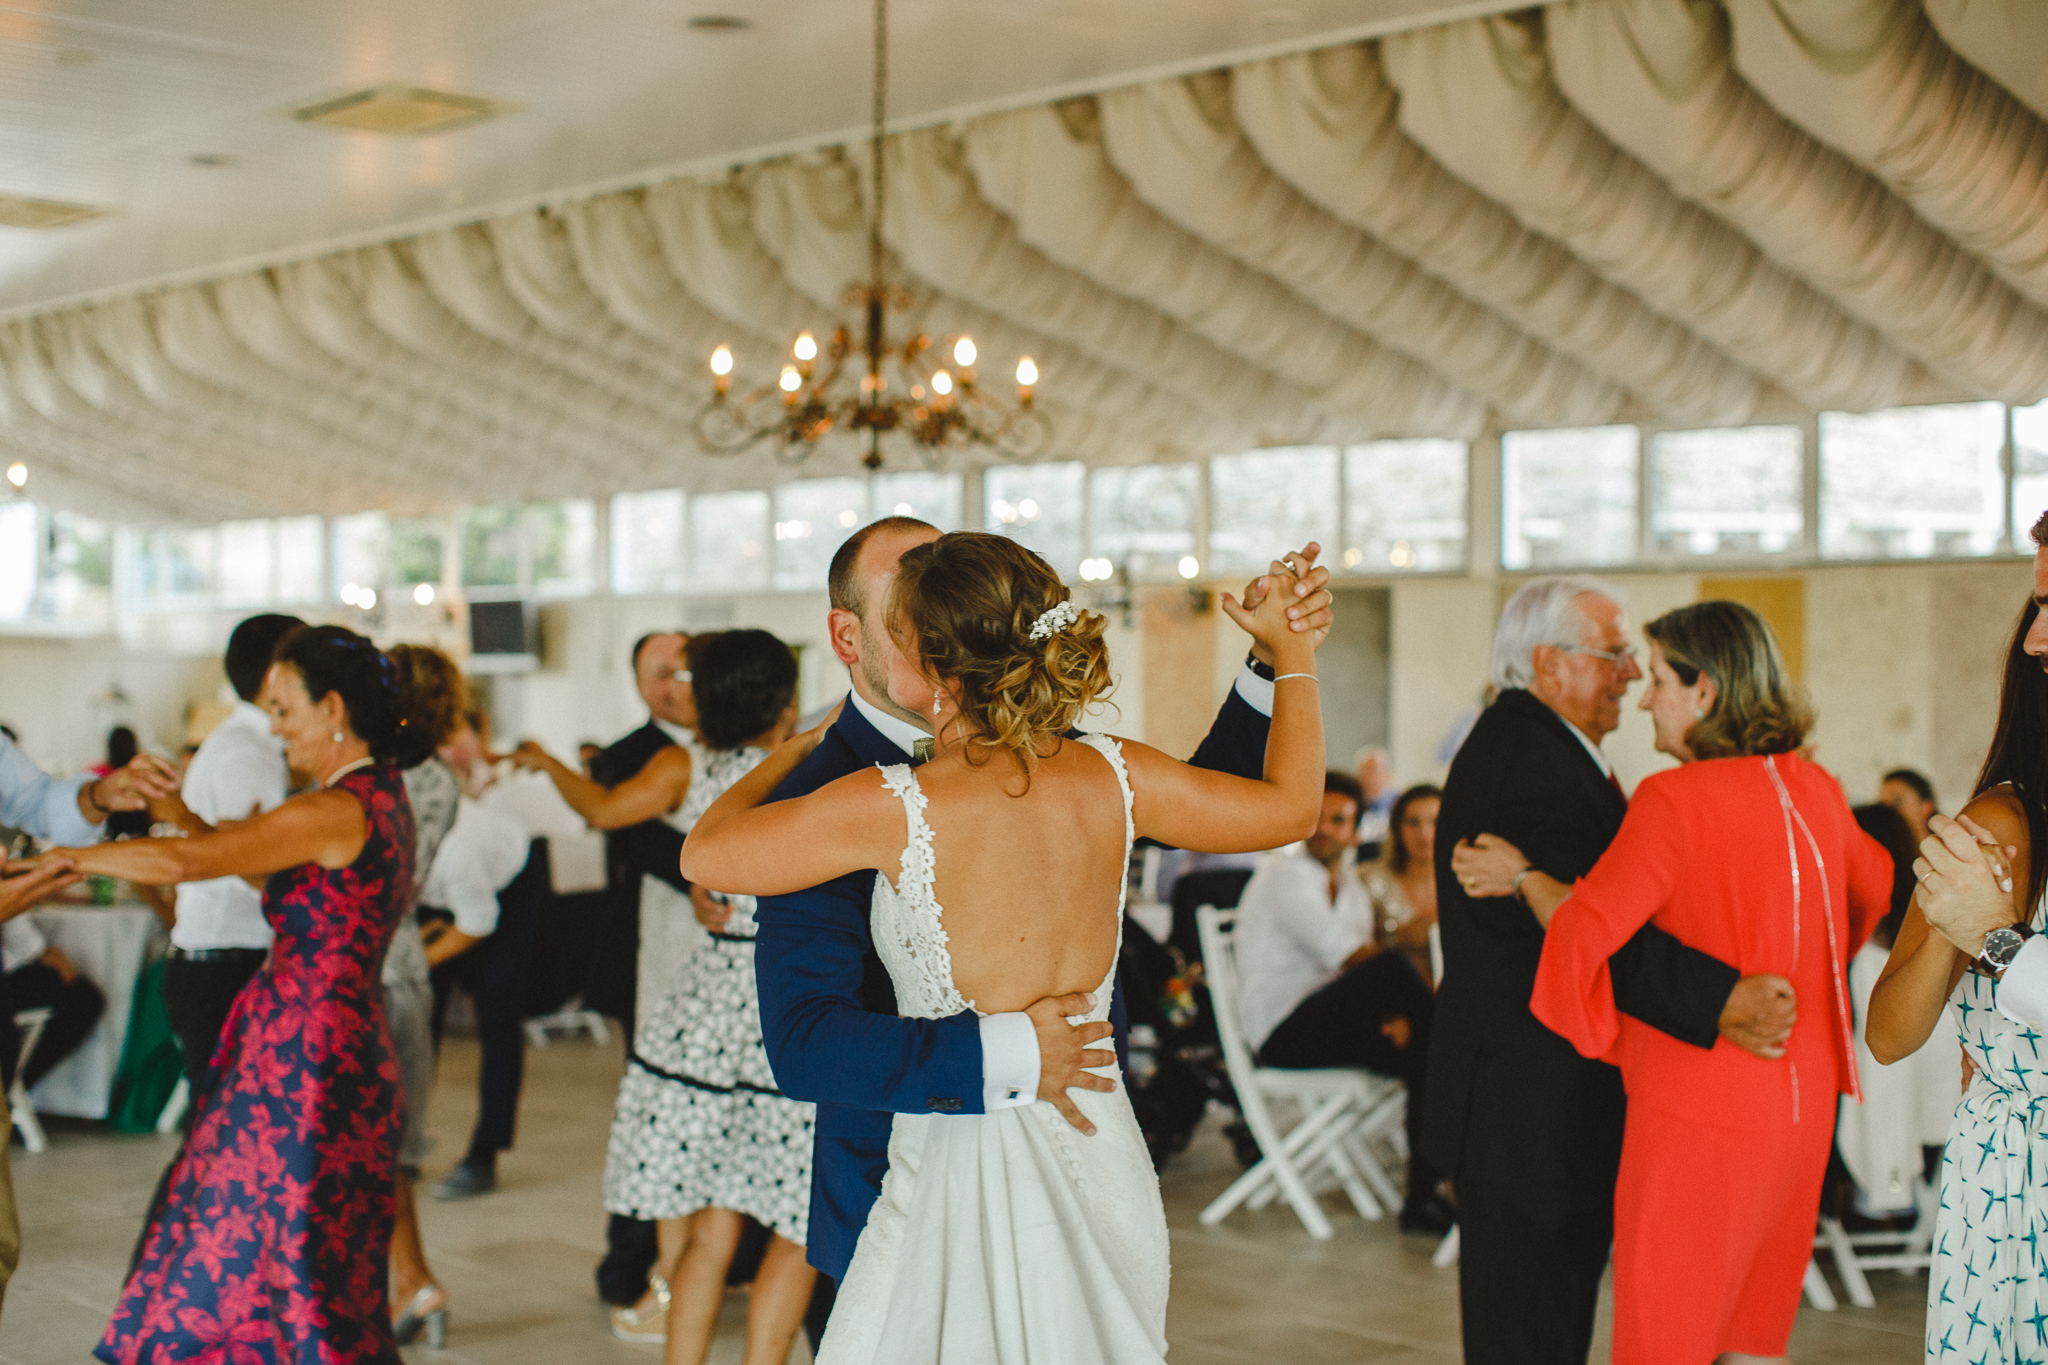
x=1054 y=620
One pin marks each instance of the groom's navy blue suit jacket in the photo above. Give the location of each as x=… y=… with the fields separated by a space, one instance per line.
x=828 y=1013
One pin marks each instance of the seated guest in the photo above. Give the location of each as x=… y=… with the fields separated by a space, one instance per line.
x=1912 y=796
x=1320 y=988
x=34 y=975
x=1376 y=803
x=492 y=882
x=1402 y=884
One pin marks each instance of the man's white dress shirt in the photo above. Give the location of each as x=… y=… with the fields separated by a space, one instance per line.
x=239 y=771
x=1293 y=937
x=1009 y=1041
x=479 y=857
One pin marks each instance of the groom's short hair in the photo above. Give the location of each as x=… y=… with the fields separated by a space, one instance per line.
x=842 y=582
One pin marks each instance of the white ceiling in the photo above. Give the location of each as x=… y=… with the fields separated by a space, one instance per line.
x=106 y=102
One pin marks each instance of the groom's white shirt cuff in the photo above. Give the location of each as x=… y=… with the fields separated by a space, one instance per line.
x=1256 y=691
x=1009 y=1061
x=2023 y=990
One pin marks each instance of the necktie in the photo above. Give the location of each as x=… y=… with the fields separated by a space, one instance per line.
x=1617 y=785
x=921 y=752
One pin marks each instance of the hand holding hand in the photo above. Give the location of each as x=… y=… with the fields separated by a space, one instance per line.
x=1487 y=866
x=1964 y=893
x=1276 y=640
x=711 y=909
x=146 y=778
x=1308 y=611
x=1759 y=1015
x=1064 y=1053
x=530 y=757
x=26 y=882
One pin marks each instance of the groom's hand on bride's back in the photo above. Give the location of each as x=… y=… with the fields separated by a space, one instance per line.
x=1064 y=1053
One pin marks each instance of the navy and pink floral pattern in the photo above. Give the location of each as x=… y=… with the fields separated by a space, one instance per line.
x=272 y=1243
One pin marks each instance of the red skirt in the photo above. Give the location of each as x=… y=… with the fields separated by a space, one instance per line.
x=1713 y=1230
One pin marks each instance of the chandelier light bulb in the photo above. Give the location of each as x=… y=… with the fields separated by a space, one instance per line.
x=424 y=594
x=366 y=598
x=1189 y=566
x=348 y=593
x=1028 y=509
x=1027 y=372
x=806 y=347
x=942 y=383
x=904 y=509
x=848 y=517
x=964 y=352
x=721 y=361
x=17 y=474
x=791 y=380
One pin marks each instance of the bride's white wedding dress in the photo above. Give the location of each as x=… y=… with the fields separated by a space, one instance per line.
x=1007 y=1237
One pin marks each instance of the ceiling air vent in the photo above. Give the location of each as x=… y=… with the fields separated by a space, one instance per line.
x=43 y=213
x=400 y=109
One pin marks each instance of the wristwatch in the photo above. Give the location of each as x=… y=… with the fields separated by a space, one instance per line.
x=2001 y=946
x=1259 y=670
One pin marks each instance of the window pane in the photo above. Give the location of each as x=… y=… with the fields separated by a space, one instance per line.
x=1733 y=491
x=174 y=564
x=1266 y=502
x=729 y=539
x=922 y=494
x=1039 y=506
x=1143 y=517
x=301 y=570
x=78 y=568
x=561 y=541
x=647 y=541
x=2029 y=473
x=1568 y=497
x=490 y=547
x=19 y=542
x=362 y=553
x=246 y=563
x=812 y=516
x=1404 y=506
x=1912 y=482
x=416 y=550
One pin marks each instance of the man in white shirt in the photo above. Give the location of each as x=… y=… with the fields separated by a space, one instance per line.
x=220 y=937
x=1318 y=988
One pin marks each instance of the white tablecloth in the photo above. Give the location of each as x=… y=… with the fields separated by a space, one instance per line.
x=110 y=944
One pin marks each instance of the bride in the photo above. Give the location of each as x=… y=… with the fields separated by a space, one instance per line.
x=1032 y=1233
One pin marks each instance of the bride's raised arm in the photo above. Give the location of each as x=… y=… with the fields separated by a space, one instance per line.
x=1213 y=812
x=747 y=845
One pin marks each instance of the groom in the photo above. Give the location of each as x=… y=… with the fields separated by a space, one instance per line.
x=828 y=1015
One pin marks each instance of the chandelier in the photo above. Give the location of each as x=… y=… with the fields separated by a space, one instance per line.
x=926 y=390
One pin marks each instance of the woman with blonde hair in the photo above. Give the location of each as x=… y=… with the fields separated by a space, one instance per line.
x=1034 y=1232
x=1749 y=852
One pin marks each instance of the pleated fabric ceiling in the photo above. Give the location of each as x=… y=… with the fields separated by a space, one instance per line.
x=1677 y=211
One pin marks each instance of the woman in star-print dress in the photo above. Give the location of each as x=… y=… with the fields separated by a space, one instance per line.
x=270 y=1244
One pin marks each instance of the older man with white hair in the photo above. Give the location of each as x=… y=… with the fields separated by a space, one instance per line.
x=1528 y=1130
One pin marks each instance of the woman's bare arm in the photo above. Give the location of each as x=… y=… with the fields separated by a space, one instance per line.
x=649 y=794
x=324 y=827
x=753 y=849
x=1924 y=967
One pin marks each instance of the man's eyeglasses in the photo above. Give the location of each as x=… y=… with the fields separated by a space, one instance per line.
x=1624 y=656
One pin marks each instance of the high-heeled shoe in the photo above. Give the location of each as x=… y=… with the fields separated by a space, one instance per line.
x=417 y=1317
x=630 y=1324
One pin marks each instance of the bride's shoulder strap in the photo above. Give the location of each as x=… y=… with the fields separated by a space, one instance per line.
x=1109 y=748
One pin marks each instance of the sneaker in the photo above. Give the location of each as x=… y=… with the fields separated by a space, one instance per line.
x=467 y=1181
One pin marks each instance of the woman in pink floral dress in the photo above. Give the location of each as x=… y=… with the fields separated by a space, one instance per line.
x=271 y=1244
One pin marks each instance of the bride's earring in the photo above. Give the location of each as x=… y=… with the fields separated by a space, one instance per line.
x=937 y=700
x=339 y=737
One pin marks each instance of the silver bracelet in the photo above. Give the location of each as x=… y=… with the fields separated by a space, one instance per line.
x=1516 y=889
x=1285 y=676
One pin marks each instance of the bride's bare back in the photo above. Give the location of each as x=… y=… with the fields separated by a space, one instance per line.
x=1030 y=885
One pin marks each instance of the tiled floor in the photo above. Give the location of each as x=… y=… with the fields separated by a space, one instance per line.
x=518 y=1262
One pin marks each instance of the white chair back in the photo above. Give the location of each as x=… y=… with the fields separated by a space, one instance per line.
x=1217 y=930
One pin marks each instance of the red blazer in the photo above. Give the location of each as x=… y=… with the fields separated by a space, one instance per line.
x=1707 y=854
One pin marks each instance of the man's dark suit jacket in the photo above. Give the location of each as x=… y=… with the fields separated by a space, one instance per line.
x=1509 y=1101
x=828 y=1012
x=652 y=848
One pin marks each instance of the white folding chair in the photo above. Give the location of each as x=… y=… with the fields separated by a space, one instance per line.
x=571 y=1019
x=1342 y=1109
x=1855 y=1253
x=30 y=1024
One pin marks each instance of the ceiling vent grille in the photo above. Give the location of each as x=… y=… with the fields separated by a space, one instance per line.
x=16 y=211
x=401 y=109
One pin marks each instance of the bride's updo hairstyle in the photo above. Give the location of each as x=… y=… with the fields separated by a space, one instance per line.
x=966 y=603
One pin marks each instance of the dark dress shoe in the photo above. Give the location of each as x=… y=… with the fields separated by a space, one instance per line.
x=467 y=1181
x=1430 y=1217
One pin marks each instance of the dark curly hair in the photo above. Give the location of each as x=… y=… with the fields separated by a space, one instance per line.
x=966 y=603
x=336 y=659
x=744 y=680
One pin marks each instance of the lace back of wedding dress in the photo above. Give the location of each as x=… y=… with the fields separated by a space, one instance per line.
x=909 y=925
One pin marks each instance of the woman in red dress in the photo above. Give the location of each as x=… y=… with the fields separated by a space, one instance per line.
x=270 y=1243
x=1749 y=852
